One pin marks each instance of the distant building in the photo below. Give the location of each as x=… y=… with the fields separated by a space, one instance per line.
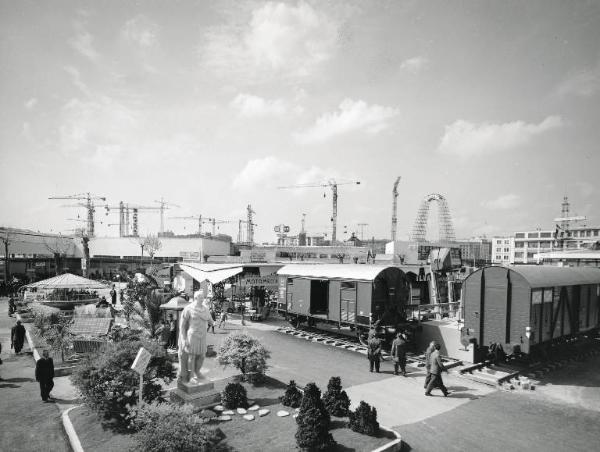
x=476 y=252
x=325 y=254
x=502 y=250
x=571 y=258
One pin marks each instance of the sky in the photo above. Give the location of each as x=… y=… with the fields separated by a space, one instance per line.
x=214 y=105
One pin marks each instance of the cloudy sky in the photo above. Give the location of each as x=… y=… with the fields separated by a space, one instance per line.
x=213 y=105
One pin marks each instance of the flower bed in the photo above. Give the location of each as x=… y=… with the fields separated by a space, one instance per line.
x=267 y=433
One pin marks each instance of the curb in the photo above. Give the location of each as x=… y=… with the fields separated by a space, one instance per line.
x=70 y=430
x=394 y=445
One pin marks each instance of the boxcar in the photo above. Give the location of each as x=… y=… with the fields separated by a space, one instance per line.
x=358 y=296
x=527 y=308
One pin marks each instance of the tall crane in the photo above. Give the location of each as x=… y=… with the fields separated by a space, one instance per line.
x=395 y=208
x=334 y=189
x=163 y=206
x=124 y=209
x=88 y=203
x=199 y=218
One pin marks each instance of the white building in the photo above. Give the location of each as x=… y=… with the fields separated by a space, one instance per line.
x=503 y=250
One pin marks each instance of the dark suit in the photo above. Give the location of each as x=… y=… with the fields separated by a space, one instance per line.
x=437 y=367
x=44 y=374
x=399 y=355
x=374 y=353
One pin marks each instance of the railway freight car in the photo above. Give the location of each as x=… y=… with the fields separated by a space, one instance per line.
x=528 y=308
x=355 y=296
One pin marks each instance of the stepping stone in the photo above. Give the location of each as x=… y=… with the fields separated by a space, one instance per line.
x=253 y=408
x=295 y=416
x=219 y=408
x=263 y=412
x=224 y=418
x=241 y=411
x=282 y=413
x=249 y=417
x=228 y=413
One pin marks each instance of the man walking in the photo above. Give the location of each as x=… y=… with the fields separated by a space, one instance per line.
x=44 y=374
x=374 y=353
x=113 y=295
x=428 y=353
x=17 y=337
x=437 y=367
x=399 y=353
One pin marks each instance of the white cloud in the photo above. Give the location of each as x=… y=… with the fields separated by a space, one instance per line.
x=508 y=201
x=414 y=65
x=352 y=116
x=83 y=43
x=31 y=103
x=466 y=138
x=141 y=31
x=584 y=82
x=249 y=105
x=278 y=40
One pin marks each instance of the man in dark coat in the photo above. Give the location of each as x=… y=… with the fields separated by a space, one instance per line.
x=113 y=296
x=17 y=337
x=399 y=353
x=428 y=353
x=44 y=374
x=374 y=353
x=12 y=307
x=437 y=367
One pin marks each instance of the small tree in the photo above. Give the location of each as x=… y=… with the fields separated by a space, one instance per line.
x=313 y=421
x=364 y=419
x=166 y=427
x=245 y=353
x=292 y=396
x=234 y=396
x=59 y=336
x=335 y=399
x=109 y=385
x=152 y=244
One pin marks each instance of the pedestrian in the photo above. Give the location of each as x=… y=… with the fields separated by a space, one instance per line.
x=172 y=332
x=12 y=307
x=17 y=337
x=399 y=353
x=44 y=374
x=374 y=353
x=437 y=367
x=121 y=296
x=113 y=295
x=214 y=318
x=428 y=353
x=223 y=319
x=164 y=333
x=1 y=379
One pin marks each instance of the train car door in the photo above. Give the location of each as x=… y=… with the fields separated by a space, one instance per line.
x=319 y=296
x=348 y=301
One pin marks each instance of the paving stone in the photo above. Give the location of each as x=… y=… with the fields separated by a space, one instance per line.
x=253 y=408
x=241 y=411
x=263 y=412
x=282 y=413
x=249 y=417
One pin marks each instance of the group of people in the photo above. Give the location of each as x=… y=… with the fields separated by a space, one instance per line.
x=433 y=361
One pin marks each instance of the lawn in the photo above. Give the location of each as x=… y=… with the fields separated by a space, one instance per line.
x=268 y=433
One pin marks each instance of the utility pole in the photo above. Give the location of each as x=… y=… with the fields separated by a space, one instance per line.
x=395 y=208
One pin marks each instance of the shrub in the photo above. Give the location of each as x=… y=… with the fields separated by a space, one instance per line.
x=313 y=421
x=292 y=396
x=335 y=399
x=166 y=427
x=245 y=353
x=109 y=386
x=234 y=396
x=364 y=419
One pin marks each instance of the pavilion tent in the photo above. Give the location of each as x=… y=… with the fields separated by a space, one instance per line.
x=212 y=273
x=66 y=281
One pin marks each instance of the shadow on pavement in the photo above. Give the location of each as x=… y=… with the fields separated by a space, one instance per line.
x=9 y=385
x=405 y=447
x=458 y=388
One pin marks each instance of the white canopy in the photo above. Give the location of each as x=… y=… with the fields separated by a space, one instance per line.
x=212 y=273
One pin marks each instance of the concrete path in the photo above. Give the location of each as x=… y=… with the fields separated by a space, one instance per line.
x=26 y=422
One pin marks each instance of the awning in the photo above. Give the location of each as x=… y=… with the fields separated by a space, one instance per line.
x=67 y=281
x=213 y=276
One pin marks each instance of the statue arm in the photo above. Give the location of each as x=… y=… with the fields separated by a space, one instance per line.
x=183 y=328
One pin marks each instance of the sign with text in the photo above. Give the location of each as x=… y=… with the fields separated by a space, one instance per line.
x=141 y=361
x=257 y=281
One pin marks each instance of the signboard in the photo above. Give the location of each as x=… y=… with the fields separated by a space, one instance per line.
x=141 y=361
x=257 y=281
x=189 y=254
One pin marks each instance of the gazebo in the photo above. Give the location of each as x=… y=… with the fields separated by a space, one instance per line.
x=65 y=290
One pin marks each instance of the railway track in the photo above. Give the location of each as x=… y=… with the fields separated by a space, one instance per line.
x=347 y=343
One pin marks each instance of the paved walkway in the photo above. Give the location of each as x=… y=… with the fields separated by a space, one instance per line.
x=26 y=423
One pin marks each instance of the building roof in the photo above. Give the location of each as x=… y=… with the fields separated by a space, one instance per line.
x=333 y=271
x=570 y=254
x=67 y=281
x=215 y=273
x=538 y=276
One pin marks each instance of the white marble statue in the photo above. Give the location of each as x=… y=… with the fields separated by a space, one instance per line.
x=193 y=327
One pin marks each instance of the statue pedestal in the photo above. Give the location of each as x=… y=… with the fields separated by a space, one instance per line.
x=201 y=394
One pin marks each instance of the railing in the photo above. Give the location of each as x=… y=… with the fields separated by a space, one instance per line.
x=433 y=311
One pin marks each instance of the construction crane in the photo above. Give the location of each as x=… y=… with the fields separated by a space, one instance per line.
x=88 y=204
x=199 y=218
x=334 y=189
x=124 y=209
x=163 y=206
x=362 y=227
x=395 y=208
